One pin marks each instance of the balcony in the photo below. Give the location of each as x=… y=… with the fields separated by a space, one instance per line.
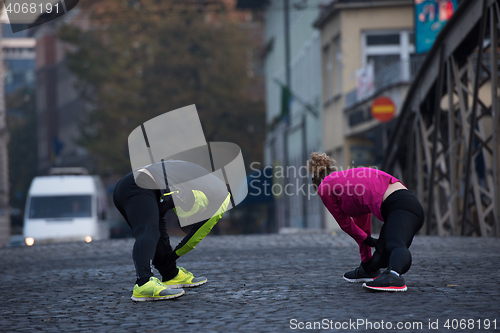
x=395 y=73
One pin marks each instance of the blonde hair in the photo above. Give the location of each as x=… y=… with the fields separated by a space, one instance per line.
x=320 y=166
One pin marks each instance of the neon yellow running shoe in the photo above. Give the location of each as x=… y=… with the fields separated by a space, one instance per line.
x=154 y=290
x=185 y=279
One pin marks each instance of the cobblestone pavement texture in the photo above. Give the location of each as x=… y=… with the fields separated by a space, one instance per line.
x=257 y=283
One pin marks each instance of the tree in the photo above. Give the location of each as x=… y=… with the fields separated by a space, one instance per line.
x=140 y=60
x=21 y=122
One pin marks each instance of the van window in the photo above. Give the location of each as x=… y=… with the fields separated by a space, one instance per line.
x=60 y=206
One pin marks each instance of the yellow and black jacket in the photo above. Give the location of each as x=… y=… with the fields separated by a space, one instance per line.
x=198 y=197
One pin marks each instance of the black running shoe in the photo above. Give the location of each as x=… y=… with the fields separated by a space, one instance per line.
x=359 y=275
x=387 y=281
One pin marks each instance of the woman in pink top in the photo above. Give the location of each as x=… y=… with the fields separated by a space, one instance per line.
x=351 y=196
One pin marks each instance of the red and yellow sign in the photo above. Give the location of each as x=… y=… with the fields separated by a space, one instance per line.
x=383 y=109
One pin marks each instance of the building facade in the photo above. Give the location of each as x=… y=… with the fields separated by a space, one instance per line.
x=367 y=52
x=59 y=107
x=293 y=109
x=18 y=58
x=5 y=228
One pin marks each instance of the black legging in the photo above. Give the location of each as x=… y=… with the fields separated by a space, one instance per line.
x=404 y=216
x=144 y=213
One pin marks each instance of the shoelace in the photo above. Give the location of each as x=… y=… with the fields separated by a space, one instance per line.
x=383 y=273
x=159 y=284
x=186 y=271
x=358 y=272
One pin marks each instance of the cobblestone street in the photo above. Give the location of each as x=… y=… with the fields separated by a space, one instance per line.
x=256 y=283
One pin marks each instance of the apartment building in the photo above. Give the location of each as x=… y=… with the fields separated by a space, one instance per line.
x=359 y=37
x=368 y=52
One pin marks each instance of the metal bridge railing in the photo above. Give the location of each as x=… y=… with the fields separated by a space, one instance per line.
x=446 y=140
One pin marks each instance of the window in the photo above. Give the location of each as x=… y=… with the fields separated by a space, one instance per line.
x=60 y=206
x=390 y=52
x=327 y=56
x=333 y=69
x=339 y=158
x=361 y=155
x=382 y=39
x=382 y=64
x=338 y=66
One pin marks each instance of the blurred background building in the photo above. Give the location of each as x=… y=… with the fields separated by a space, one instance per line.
x=5 y=225
x=370 y=54
x=293 y=107
x=368 y=51
x=17 y=87
x=321 y=100
x=59 y=107
x=19 y=58
x=409 y=86
x=39 y=65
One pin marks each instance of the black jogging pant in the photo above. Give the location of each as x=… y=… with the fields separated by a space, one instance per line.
x=404 y=217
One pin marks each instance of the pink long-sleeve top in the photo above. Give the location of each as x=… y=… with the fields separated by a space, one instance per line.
x=350 y=196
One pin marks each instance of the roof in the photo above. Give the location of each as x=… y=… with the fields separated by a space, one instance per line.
x=62 y=185
x=338 y=5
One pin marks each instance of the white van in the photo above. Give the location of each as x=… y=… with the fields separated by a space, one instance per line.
x=65 y=208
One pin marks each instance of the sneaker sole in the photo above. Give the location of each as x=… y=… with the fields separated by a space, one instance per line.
x=358 y=280
x=369 y=288
x=188 y=285
x=159 y=298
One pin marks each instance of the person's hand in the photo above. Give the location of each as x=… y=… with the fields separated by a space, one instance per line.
x=172 y=256
x=370 y=241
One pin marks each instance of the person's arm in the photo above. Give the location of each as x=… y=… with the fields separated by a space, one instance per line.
x=200 y=230
x=364 y=223
x=198 y=204
x=186 y=200
x=350 y=225
x=345 y=222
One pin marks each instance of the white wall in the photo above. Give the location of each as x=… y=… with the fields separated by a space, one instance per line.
x=305 y=70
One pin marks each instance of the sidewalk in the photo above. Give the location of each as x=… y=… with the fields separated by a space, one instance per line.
x=256 y=283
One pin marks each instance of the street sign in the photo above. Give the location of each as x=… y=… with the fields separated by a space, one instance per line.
x=383 y=109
